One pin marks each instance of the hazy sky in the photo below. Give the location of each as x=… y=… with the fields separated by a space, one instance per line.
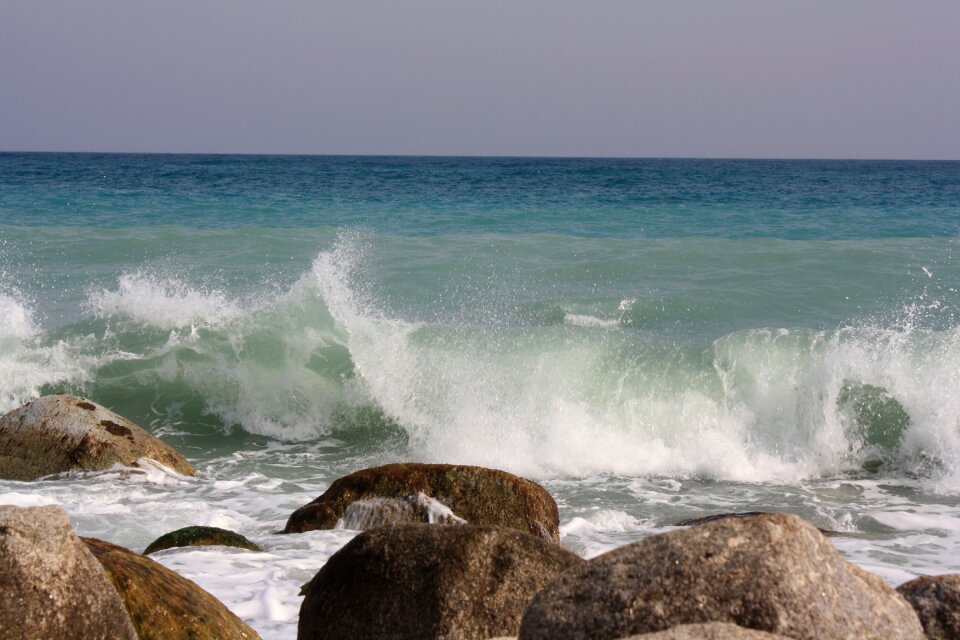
x=741 y=78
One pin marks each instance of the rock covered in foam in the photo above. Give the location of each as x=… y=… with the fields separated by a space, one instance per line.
x=476 y=494
x=52 y=586
x=164 y=605
x=60 y=433
x=936 y=599
x=200 y=537
x=368 y=513
x=772 y=572
x=422 y=581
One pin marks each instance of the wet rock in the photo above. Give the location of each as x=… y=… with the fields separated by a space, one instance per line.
x=200 y=537
x=772 y=572
x=692 y=522
x=162 y=604
x=51 y=586
x=478 y=495
x=422 y=581
x=61 y=433
x=708 y=631
x=936 y=599
x=368 y=513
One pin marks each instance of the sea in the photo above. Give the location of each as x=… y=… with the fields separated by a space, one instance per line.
x=652 y=340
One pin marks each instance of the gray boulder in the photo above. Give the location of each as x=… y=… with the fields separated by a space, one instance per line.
x=52 y=586
x=429 y=582
x=708 y=631
x=936 y=599
x=61 y=433
x=771 y=572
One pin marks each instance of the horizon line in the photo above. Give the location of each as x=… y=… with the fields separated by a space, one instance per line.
x=477 y=156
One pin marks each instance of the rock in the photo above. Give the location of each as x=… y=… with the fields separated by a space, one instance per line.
x=936 y=599
x=428 y=582
x=200 y=537
x=61 y=433
x=368 y=513
x=51 y=586
x=692 y=522
x=478 y=495
x=708 y=631
x=162 y=604
x=772 y=572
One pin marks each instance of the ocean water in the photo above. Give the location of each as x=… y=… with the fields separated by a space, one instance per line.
x=652 y=340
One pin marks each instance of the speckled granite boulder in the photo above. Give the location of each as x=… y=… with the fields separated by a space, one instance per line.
x=936 y=599
x=773 y=573
x=61 y=433
x=200 y=537
x=708 y=631
x=429 y=582
x=164 y=605
x=478 y=495
x=52 y=588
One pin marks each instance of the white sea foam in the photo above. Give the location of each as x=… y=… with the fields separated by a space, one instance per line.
x=583 y=320
x=165 y=302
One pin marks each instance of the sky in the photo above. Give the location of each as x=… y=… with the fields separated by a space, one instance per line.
x=638 y=78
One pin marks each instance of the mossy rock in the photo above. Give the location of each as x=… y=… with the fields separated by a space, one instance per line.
x=164 y=605
x=479 y=495
x=200 y=537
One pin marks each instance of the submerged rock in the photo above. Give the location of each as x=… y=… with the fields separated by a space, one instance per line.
x=61 y=433
x=708 y=631
x=936 y=599
x=162 y=604
x=52 y=587
x=428 y=582
x=200 y=537
x=476 y=494
x=772 y=572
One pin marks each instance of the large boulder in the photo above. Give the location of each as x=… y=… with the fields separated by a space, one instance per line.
x=708 y=631
x=429 y=582
x=200 y=537
x=478 y=495
x=771 y=572
x=61 y=433
x=52 y=588
x=936 y=599
x=164 y=605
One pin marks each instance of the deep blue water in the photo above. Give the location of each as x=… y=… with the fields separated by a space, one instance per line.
x=643 y=198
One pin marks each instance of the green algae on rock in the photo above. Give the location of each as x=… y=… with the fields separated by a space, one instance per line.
x=200 y=537
x=479 y=495
x=59 y=433
x=164 y=605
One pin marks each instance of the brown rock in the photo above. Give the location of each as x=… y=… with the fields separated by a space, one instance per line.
x=708 y=631
x=162 y=604
x=51 y=586
x=478 y=495
x=692 y=522
x=429 y=582
x=773 y=573
x=61 y=433
x=936 y=599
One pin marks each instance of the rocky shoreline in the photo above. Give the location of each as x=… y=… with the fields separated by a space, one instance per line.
x=446 y=551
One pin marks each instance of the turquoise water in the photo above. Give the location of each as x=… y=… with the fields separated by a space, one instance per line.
x=651 y=339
